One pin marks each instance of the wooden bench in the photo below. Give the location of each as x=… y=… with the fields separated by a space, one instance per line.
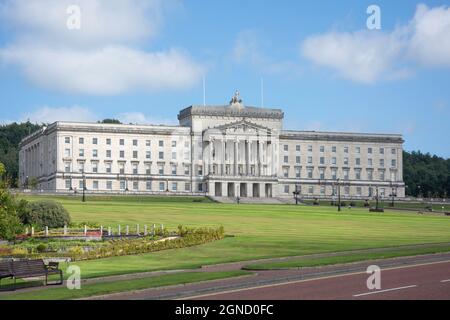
x=29 y=269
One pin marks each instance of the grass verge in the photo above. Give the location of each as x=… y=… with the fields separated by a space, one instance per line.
x=89 y=290
x=347 y=258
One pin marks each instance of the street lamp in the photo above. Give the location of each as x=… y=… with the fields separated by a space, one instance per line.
x=84 y=187
x=393 y=195
x=339 y=194
x=296 y=194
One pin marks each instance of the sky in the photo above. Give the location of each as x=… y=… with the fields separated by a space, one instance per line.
x=322 y=62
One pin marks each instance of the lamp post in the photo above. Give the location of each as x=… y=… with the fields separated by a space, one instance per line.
x=84 y=187
x=377 y=198
x=296 y=194
x=393 y=195
x=339 y=194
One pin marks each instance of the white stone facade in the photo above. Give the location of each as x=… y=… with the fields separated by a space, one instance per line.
x=223 y=151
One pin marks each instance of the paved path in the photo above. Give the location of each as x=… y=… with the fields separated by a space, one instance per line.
x=269 y=278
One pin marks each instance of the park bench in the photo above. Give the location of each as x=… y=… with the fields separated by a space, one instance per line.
x=29 y=269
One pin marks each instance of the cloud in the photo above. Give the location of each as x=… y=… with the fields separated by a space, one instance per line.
x=140 y=118
x=103 y=71
x=370 y=56
x=50 y=115
x=430 y=42
x=103 y=57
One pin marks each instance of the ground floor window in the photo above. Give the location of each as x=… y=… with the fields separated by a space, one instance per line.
x=109 y=185
x=286 y=189
x=162 y=186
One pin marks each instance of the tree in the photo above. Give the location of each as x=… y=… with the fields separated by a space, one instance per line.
x=110 y=121
x=44 y=214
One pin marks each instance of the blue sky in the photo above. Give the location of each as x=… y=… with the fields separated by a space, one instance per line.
x=143 y=61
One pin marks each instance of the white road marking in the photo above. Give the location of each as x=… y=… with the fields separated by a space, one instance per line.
x=383 y=291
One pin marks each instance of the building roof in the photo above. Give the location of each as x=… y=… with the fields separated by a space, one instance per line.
x=231 y=111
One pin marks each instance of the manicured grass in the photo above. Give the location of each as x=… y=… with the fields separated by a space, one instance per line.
x=89 y=290
x=259 y=231
x=348 y=258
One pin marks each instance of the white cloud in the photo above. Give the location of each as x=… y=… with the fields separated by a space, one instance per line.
x=369 y=56
x=140 y=118
x=364 y=56
x=104 y=71
x=430 y=42
x=99 y=58
x=50 y=115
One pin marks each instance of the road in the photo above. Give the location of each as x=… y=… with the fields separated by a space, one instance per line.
x=429 y=281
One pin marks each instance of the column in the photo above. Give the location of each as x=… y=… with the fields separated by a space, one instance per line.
x=247 y=153
x=224 y=151
x=211 y=146
x=258 y=157
x=236 y=158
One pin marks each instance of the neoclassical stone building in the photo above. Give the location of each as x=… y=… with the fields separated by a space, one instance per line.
x=221 y=151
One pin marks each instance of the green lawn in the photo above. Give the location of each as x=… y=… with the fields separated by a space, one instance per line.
x=258 y=231
x=89 y=290
x=349 y=258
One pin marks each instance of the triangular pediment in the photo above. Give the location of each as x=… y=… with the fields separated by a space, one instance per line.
x=243 y=126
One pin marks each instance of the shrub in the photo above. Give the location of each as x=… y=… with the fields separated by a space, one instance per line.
x=46 y=213
x=41 y=248
x=10 y=224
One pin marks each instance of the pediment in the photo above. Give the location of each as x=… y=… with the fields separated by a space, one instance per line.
x=244 y=127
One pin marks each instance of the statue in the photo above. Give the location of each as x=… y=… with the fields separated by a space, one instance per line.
x=236 y=98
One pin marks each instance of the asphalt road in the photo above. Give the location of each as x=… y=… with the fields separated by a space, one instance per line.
x=425 y=281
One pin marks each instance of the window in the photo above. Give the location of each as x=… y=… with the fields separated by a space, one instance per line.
x=322 y=160
x=382 y=175
x=382 y=163
x=67 y=153
x=393 y=163
x=161 y=169
x=298 y=148
x=358 y=161
x=359 y=191
x=108 y=142
x=370 y=175
x=286 y=172
x=174 y=170
x=333 y=149
x=322 y=190
x=286 y=159
x=369 y=150
x=148 y=169
x=358 y=149
x=310 y=173
x=345 y=149
x=345 y=161
x=122 y=168
x=109 y=185
x=200 y=187
x=162 y=186
x=310 y=148
x=161 y=155
x=174 y=156
x=358 y=174
x=286 y=148
x=393 y=151
x=135 y=185
x=148 y=154
x=95 y=185
x=381 y=150
x=286 y=188
x=122 y=154
x=122 y=185
x=200 y=170
x=334 y=161
x=67 y=139
x=67 y=167
x=94 y=141
x=148 y=143
x=81 y=153
x=94 y=167
x=322 y=174
x=135 y=142
x=187 y=187
x=346 y=174
x=108 y=153
x=298 y=172
x=174 y=186
x=95 y=153
x=81 y=140
x=370 y=162
x=298 y=159
x=311 y=190
x=187 y=170
x=347 y=191
x=81 y=185
x=122 y=142
x=148 y=186
x=174 y=144
x=322 y=149
x=108 y=167
x=68 y=184
x=310 y=160
x=382 y=192
x=135 y=154
x=81 y=167
x=161 y=143
x=135 y=168
x=334 y=174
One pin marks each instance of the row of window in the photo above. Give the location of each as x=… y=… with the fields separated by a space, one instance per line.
x=124 y=185
x=330 y=191
x=370 y=150
x=135 y=155
x=333 y=161
x=334 y=174
x=135 y=142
